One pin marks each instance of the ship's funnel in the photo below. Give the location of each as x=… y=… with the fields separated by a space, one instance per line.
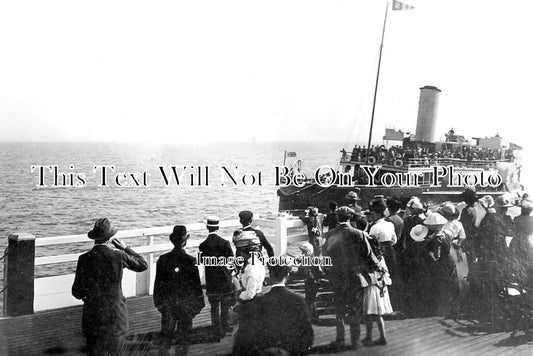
x=426 y=123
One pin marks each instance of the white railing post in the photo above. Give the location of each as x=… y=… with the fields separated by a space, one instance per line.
x=144 y=279
x=280 y=247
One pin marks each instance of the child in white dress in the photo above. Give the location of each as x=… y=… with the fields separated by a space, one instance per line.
x=376 y=302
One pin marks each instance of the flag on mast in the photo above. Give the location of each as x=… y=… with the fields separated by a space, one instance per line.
x=291 y=154
x=396 y=5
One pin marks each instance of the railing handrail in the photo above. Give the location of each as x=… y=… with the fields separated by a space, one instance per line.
x=146 y=232
x=149 y=231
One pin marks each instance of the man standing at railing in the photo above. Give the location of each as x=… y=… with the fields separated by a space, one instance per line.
x=218 y=279
x=98 y=283
x=177 y=292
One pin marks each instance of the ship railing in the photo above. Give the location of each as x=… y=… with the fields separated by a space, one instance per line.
x=425 y=162
x=456 y=162
x=54 y=290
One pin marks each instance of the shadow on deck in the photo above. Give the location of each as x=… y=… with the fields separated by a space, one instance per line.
x=59 y=332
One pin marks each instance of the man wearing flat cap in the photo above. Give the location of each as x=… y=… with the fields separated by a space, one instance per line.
x=177 y=290
x=218 y=279
x=246 y=218
x=98 y=283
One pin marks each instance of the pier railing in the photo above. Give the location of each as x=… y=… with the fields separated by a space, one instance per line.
x=55 y=291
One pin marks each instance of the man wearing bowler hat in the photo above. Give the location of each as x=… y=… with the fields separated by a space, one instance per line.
x=98 y=283
x=218 y=279
x=246 y=218
x=177 y=291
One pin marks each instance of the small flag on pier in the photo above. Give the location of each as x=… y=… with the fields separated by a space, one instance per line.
x=396 y=5
x=291 y=154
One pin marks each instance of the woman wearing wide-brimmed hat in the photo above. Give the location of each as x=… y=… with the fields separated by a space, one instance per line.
x=407 y=244
x=431 y=274
x=457 y=253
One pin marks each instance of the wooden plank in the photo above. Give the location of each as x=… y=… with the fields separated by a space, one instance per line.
x=406 y=337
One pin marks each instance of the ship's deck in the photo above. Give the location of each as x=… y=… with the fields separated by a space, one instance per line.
x=59 y=332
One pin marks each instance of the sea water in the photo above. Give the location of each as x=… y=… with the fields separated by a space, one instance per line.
x=69 y=207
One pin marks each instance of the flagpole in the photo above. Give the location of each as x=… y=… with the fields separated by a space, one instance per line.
x=376 y=87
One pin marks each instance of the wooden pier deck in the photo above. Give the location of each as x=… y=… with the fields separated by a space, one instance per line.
x=59 y=332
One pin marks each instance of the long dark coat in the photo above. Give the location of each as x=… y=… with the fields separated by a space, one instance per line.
x=98 y=283
x=218 y=279
x=177 y=283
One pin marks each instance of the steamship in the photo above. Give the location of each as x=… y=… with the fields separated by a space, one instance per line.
x=354 y=168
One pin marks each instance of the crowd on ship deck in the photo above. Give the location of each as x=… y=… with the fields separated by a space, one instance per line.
x=389 y=258
x=393 y=154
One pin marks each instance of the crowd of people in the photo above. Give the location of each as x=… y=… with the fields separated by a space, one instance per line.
x=389 y=258
x=396 y=153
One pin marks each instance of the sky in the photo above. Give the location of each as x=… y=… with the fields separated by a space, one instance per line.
x=277 y=70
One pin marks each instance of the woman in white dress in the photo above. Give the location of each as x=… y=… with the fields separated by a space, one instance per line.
x=376 y=301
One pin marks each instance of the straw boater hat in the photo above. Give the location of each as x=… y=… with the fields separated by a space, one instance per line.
x=449 y=211
x=102 y=230
x=419 y=233
x=435 y=219
x=213 y=221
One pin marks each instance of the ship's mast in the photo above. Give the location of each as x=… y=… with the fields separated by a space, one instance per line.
x=376 y=87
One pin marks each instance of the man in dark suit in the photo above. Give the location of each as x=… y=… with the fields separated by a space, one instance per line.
x=177 y=290
x=246 y=218
x=218 y=279
x=98 y=283
x=278 y=319
x=351 y=258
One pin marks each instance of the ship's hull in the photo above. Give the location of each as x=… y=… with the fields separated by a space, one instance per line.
x=299 y=198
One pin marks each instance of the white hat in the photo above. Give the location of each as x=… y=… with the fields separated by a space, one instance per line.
x=449 y=211
x=435 y=219
x=419 y=233
x=415 y=203
x=306 y=247
x=382 y=231
x=213 y=221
